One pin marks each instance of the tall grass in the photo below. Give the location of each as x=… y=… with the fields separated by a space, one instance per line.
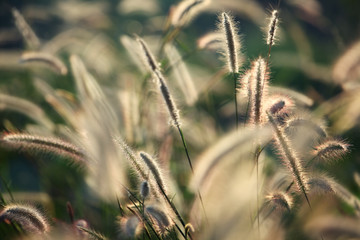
x=266 y=168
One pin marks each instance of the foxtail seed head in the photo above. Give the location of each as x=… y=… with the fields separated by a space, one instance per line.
x=232 y=43
x=154 y=169
x=161 y=219
x=29 y=218
x=331 y=149
x=280 y=201
x=258 y=88
x=272 y=28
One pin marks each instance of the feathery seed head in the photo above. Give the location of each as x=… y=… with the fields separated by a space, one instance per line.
x=321 y=185
x=258 y=87
x=185 y=11
x=231 y=42
x=212 y=41
x=280 y=201
x=272 y=28
x=171 y=106
x=293 y=123
x=279 y=106
x=149 y=58
x=154 y=169
x=161 y=219
x=43 y=144
x=29 y=218
x=331 y=149
x=289 y=156
x=50 y=60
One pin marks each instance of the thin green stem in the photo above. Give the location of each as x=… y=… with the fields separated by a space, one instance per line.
x=186 y=149
x=192 y=170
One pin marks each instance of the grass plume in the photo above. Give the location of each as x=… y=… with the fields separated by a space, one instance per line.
x=51 y=145
x=290 y=158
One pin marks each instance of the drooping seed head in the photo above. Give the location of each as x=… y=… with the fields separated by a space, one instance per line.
x=154 y=169
x=212 y=41
x=43 y=144
x=231 y=42
x=280 y=201
x=160 y=218
x=321 y=185
x=279 y=106
x=50 y=60
x=27 y=217
x=331 y=149
x=272 y=28
x=185 y=11
x=293 y=123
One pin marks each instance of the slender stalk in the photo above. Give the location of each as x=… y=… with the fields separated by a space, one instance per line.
x=235 y=99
